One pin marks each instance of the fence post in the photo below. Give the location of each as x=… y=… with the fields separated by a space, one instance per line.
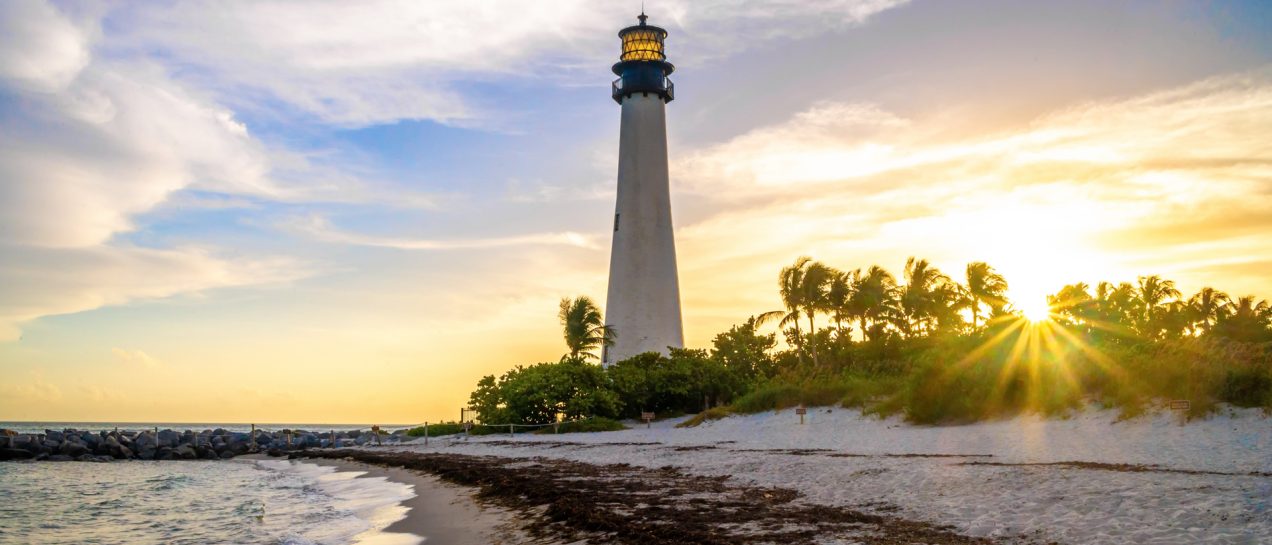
x=253 y=437
x=426 y=434
x=509 y=430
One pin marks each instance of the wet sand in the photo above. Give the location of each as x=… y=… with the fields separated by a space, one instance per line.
x=441 y=512
x=564 y=501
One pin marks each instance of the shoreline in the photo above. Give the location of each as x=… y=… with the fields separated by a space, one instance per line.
x=440 y=513
x=573 y=502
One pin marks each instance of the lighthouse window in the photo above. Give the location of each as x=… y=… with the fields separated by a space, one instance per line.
x=615 y=223
x=643 y=45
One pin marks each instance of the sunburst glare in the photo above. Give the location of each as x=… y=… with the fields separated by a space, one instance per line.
x=1035 y=310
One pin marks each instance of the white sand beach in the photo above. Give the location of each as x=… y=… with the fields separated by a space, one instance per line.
x=1088 y=479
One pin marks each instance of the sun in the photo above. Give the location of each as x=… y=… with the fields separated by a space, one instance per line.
x=1035 y=309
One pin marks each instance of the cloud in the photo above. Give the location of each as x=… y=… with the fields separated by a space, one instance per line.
x=40 y=50
x=33 y=393
x=1177 y=182
x=37 y=282
x=320 y=228
x=99 y=394
x=136 y=359
x=386 y=60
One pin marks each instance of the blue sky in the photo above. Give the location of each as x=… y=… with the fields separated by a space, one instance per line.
x=323 y=194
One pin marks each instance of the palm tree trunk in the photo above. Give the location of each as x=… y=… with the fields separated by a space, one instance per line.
x=812 y=338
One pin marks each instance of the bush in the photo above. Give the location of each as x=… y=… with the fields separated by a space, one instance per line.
x=539 y=393
x=686 y=381
x=715 y=413
x=781 y=395
x=585 y=426
x=437 y=430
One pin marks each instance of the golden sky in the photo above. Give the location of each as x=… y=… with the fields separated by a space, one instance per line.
x=239 y=215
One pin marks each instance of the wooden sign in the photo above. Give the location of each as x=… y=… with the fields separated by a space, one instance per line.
x=1180 y=405
x=801 y=411
x=646 y=416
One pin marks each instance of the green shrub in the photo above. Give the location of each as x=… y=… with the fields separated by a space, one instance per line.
x=585 y=426
x=437 y=430
x=714 y=413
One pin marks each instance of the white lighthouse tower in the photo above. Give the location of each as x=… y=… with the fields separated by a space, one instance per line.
x=643 y=303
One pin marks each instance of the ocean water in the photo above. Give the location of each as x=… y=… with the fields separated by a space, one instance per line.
x=39 y=427
x=237 y=501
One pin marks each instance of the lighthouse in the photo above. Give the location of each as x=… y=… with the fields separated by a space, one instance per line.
x=643 y=303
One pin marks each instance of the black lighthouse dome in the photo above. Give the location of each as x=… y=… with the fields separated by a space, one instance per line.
x=642 y=66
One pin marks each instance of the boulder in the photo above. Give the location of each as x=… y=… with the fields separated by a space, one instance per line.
x=146 y=453
x=60 y=458
x=145 y=440
x=73 y=449
x=55 y=436
x=185 y=452
x=168 y=438
x=226 y=455
x=15 y=454
x=123 y=453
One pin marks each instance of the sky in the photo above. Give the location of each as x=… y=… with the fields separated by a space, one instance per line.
x=275 y=211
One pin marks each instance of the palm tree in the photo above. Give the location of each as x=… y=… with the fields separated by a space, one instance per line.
x=1115 y=306
x=874 y=299
x=839 y=297
x=814 y=285
x=984 y=286
x=1207 y=306
x=1247 y=320
x=921 y=294
x=790 y=283
x=585 y=328
x=1152 y=294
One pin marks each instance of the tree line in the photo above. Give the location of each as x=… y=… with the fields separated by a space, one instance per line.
x=926 y=346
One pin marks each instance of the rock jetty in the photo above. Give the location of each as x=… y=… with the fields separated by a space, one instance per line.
x=103 y=446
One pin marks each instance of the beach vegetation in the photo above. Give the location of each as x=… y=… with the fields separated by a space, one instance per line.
x=584 y=328
x=929 y=348
x=437 y=430
x=594 y=424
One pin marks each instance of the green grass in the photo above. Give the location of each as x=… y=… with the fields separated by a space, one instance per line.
x=714 y=413
x=437 y=430
x=594 y=424
x=952 y=382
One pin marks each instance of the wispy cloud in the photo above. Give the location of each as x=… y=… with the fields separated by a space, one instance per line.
x=33 y=392
x=37 y=282
x=136 y=359
x=386 y=60
x=1173 y=182
x=320 y=228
